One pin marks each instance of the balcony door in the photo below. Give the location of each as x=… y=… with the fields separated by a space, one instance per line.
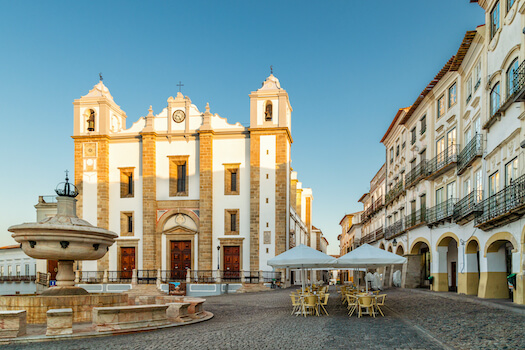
x=451 y=143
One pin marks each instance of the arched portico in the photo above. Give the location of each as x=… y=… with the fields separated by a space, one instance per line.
x=446 y=274
x=418 y=264
x=498 y=252
x=469 y=278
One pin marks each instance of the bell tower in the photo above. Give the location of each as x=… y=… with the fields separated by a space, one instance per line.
x=270 y=142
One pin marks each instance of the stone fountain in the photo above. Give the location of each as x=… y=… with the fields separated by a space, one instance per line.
x=65 y=238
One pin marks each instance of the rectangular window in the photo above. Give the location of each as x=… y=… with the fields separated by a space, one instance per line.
x=26 y=267
x=231 y=178
x=423 y=124
x=441 y=106
x=126 y=182
x=18 y=272
x=397 y=151
x=494 y=183
x=231 y=221
x=509 y=4
x=178 y=176
x=478 y=178
x=494 y=20
x=494 y=100
x=451 y=190
x=469 y=89
x=403 y=145
x=468 y=136
x=440 y=146
x=423 y=205
x=513 y=78
x=477 y=126
x=2 y=271
x=126 y=224
x=452 y=95
x=413 y=134
x=391 y=155
x=477 y=75
x=9 y=270
x=451 y=142
x=440 y=195
x=511 y=171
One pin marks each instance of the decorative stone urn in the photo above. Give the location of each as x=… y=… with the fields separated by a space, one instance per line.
x=65 y=238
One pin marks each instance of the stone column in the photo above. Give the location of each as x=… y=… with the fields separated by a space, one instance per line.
x=188 y=276
x=440 y=282
x=281 y=192
x=206 y=199
x=105 y=277
x=412 y=271
x=149 y=204
x=103 y=193
x=134 y=277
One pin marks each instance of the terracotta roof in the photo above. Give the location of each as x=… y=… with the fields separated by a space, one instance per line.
x=323 y=237
x=11 y=246
x=344 y=217
x=363 y=196
x=315 y=228
x=452 y=65
x=401 y=110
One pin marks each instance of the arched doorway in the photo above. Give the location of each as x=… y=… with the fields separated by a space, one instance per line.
x=469 y=279
x=400 y=250
x=418 y=269
x=446 y=276
x=499 y=254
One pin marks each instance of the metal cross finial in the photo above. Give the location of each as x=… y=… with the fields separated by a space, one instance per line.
x=67 y=172
x=100 y=76
x=180 y=85
x=271 y=69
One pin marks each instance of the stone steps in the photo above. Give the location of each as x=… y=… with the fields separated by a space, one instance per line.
x=143 y=294
x=252 y=288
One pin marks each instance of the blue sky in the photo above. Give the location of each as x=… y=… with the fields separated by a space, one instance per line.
x=347 y=66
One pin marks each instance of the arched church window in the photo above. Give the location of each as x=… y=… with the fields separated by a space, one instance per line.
x=268 y=111
x=90 y=119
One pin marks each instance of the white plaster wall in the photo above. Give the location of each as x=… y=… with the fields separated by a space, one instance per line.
x=125 y=155
x=267 y=190
x=231 y=151
x=177 y=148
x=89 y=209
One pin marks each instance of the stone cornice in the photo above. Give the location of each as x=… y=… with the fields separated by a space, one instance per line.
x=271 y=131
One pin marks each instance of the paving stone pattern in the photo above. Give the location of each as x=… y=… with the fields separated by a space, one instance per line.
x=414 y=320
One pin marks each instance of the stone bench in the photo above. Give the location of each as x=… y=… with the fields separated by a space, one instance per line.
x=178 y=312
x=196 y=308
x=129 y=317
x=13 y=323
x=59 y=321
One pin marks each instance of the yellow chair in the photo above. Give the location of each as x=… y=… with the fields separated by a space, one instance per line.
x=352 y=302
x=310 y=305
x=380 y=301
x=324 y=302
x=366 y=302
x=296 y=303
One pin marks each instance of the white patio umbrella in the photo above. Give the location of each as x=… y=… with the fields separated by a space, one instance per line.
x=369 y=257
x=302 y=257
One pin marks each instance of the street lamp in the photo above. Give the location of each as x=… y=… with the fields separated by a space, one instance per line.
x=218 y=257
x=394 y=242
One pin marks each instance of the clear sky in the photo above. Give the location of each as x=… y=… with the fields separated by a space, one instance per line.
x=347 y=66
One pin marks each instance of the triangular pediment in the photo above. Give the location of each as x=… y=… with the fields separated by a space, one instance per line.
x=179 y=229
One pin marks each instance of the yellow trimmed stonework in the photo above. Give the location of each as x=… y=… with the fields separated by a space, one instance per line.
x=281 y=171
x=440 y=283
x=206 y=200
x=150 y=259
x=468 y=283
x=255 y=153
x=493 y=285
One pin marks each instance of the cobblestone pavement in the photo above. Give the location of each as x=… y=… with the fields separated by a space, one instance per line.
x=414 y=320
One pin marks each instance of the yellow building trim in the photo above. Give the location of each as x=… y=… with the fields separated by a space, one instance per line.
x=415 y=246
x=444 y=242
x=493 y=285
x=470 y=248
x=496 y=240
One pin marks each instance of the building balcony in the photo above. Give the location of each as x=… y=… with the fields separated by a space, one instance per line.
x=378 y=205
x=26 y=279
x=372 y=236
x=415 y=219
x=501 y=208
x=517 y=94
x=441 y=212
x=379 y=233
x=467 y=208
x=394 y=230
x=473 y=150
x=417 y=174
x=443 y=162
x=395 y=192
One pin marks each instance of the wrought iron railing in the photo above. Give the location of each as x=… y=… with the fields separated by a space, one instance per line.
x=442 y=160
x=415 y=218
x=231 y=275
x=468 y=205
x=394 y=229
x=91 y=276
x=146 y=276
x=395 y=192
x=269 y=276
x=123 y=276
x=379 y=233
x=518 y=81
x=251 y=276
x=415 y=175
x=378 y=204
x=472 y=150
x=173 y=276
x=503 y=202
x=441 y=211
x=17 y=278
